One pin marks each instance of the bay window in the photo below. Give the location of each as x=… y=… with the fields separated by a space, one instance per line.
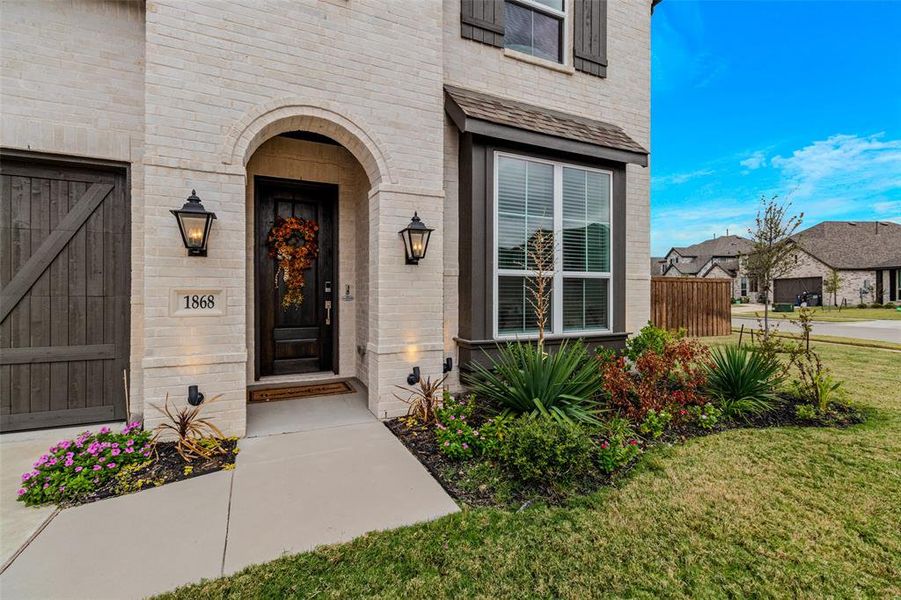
x=570 y=207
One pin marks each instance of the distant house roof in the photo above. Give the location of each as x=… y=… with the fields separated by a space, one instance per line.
x=729 y=265
x=726 y=245
x=493 y=116
x=853 y=244
x=656 y=263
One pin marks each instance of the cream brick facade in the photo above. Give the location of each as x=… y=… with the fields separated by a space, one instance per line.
x=191 y=95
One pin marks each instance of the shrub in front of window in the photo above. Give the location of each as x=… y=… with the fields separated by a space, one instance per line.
x=649 y=338
x=73 y=469
x=546 y=451
x=671 y=380
x=562 y=385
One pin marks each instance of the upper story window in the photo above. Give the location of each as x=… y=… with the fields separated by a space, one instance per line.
x=572 y=206
x=535 y=27
x=571 y=33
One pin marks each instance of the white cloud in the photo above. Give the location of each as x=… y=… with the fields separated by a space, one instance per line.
x=841 y=177
x=679 y=178
x=843 y=166
x=755 y=161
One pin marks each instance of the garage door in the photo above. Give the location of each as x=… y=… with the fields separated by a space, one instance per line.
x=787 y=290
x=64 y=306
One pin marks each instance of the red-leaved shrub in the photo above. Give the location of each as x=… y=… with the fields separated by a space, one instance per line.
x=669 y=381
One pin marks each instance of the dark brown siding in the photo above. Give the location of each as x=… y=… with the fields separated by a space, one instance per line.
x=483 y=21
x=477 y=242
x=65 y=248
x=590 y=36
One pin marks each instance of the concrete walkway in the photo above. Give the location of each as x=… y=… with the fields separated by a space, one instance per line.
x=289 y=493
x=881 y=330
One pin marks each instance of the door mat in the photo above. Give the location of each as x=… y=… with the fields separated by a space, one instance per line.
x=300 y=391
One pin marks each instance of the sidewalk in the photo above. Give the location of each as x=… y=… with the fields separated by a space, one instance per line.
x=289 y=493
x=881 y=330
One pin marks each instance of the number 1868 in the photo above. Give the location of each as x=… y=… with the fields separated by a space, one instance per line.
x=200 y=301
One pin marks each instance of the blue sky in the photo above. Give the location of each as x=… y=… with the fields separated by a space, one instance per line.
x=800 y=99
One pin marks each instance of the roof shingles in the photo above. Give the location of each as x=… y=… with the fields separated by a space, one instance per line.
x=512 y=113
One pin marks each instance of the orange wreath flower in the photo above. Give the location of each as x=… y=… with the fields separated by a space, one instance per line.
x=292 y=242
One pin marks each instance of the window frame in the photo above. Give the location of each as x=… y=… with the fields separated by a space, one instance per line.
x=556 y=318
x=564 y=52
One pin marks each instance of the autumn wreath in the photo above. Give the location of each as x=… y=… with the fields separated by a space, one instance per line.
x=292 y=243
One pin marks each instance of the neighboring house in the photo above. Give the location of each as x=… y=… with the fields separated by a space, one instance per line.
x=658 y=264
x=488 y=119
x=866 y=255
x=717 y=257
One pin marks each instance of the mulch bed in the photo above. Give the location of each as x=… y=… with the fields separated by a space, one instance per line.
x=168 y=467
x=453 y=474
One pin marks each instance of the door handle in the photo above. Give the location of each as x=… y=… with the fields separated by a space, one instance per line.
x=328 y=312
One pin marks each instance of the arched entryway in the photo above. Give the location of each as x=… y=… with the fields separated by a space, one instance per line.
x=312 y=164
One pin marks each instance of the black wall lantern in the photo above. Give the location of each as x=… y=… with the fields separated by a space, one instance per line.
x=194 y=223
x=416 y=239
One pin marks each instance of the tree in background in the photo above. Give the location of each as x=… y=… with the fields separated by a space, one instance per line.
x=773 y=253
x=832 y=283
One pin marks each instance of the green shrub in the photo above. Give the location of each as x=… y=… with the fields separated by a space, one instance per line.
x=655 y=423
x=616 y=446
x=456 y=438
x=525 y=380
x=876 y=305
x=806 y=412
x=548 y=451
x=743 y=382
x=706 y=416
x=493 y=434
x=862 y=305
x=649 y=338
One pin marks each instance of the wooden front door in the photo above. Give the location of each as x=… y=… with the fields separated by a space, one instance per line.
x=297 y=339
x=65 y=277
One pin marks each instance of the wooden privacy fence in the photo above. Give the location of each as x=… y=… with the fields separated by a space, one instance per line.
x=701 y=306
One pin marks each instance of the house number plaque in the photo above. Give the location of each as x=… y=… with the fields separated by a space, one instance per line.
x=196 y=302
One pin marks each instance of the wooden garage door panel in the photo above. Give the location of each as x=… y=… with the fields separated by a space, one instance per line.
x=64 y=272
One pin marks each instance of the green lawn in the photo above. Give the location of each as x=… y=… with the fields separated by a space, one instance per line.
x=833 y=314
x=785 y=512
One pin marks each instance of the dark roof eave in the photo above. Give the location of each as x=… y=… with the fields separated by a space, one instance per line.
x=477 y=126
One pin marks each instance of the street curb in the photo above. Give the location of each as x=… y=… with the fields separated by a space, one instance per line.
x=839 y=341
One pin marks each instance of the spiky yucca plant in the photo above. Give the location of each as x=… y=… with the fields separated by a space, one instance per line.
x=743 y=381
x=523 y=379
x=197 y=437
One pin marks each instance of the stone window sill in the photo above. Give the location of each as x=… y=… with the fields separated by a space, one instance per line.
x=539 y=62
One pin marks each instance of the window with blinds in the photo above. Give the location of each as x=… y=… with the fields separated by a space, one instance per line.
x=570 y=206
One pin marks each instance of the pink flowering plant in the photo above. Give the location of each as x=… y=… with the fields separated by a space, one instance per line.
x=616 y=445
x=73 y=469
x=456 y=438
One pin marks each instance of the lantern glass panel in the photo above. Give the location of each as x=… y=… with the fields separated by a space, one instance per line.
x=194 y=229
